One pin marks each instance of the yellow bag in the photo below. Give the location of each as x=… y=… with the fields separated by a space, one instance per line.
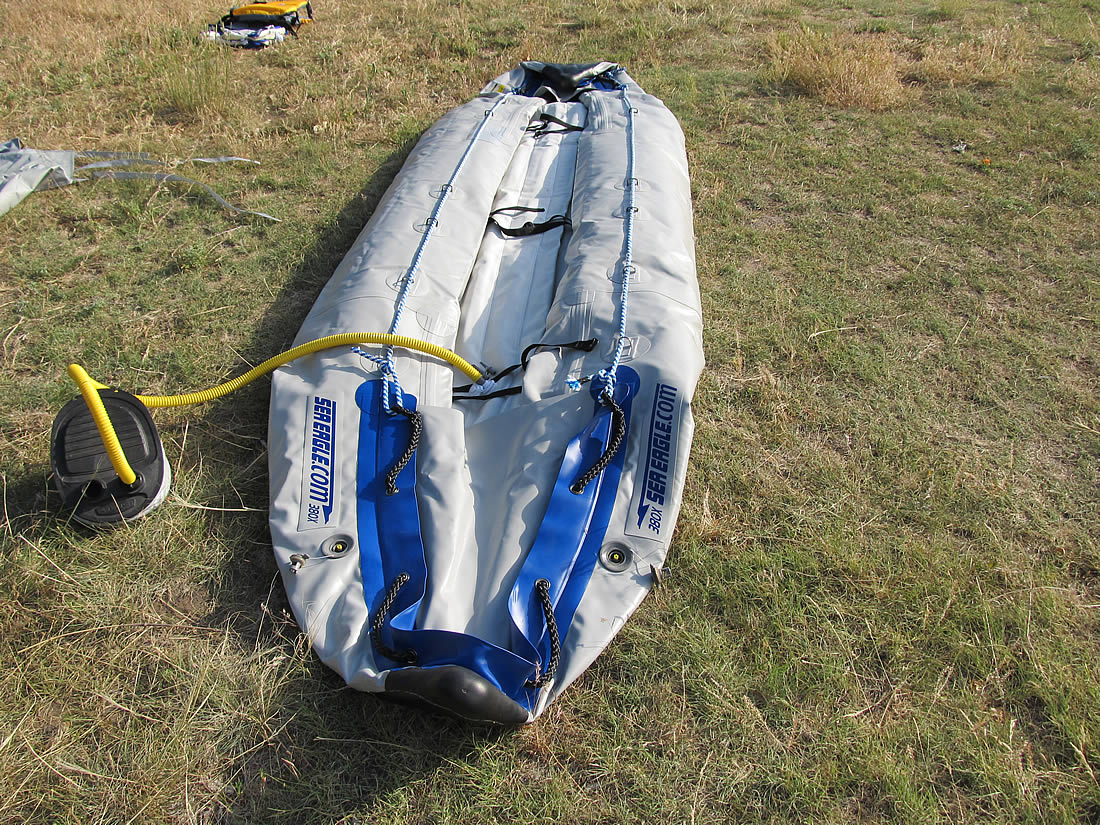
x=290 y=14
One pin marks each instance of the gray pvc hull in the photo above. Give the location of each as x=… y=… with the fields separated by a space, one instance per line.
x=485 y=469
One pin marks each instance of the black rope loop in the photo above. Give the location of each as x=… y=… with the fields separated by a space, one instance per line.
x=404 y=657
x=618 y=433
x=542 y=589
x=416 y=422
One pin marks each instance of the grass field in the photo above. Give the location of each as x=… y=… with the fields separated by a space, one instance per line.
x=885 y=597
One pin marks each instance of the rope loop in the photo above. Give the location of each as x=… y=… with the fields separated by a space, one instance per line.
x=542 y=590
x=404 y=657
x=618 y=434
x=416 y=420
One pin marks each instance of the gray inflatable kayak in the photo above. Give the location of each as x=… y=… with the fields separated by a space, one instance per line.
x=474 y=545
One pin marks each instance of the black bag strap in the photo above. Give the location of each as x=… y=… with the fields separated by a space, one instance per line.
x=587 y=345
x=530 y=227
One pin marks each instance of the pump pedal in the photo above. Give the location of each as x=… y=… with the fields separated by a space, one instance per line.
x=89 y=486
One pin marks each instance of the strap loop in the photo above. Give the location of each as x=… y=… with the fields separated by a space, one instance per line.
x=404 y=657
x=530 y=227
x=618 y=433
x=542 y=589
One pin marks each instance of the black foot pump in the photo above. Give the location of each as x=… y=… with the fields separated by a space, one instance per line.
x=89 y=485
x=107 y=457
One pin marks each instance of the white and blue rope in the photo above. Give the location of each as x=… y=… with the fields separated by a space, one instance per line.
x=608 y=375
x=389 y=369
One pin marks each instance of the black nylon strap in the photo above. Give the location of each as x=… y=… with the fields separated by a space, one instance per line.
x=557 y=121
x=516 y=209
x=540 y=129
x=489 y=395
x=587 y=345
x=530 y=227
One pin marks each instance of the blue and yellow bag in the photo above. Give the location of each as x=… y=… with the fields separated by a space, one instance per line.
x=288 y=14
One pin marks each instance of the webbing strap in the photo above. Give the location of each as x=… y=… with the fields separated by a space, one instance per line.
x=543 y=128
x=587 y=345
x=530 y=227
x=489 y=396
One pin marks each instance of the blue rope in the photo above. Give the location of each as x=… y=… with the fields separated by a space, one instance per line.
x=362 y=353
x=389 y=369
x=608 y=375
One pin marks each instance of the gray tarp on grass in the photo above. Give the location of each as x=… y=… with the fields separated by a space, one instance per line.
x=24 y=170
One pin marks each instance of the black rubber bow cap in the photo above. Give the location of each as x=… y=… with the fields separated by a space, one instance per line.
x=455 y=690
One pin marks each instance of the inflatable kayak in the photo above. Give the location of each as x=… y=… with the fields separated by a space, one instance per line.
x=476 y=546
x=471 y=545
x=472 y=539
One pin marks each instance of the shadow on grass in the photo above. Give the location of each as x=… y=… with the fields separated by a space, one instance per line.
x=329 y=750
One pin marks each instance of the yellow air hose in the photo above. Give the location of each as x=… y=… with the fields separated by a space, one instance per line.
x=89 y=387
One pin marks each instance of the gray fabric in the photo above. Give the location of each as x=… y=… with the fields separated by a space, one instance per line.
x=485 y=469
x=24 y=170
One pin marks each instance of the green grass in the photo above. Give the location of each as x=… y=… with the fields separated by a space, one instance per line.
x=886 y=578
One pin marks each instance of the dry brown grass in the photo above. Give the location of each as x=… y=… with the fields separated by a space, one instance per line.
x=1084 y=76
x=88 y=28
x=202 y=85
x=857 y=70
x=875 y=71
x=994 y=55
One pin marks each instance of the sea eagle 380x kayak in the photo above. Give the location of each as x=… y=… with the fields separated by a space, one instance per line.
x=475 y=545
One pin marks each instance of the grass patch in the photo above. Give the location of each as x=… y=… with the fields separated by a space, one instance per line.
x=200 y=84
x=885 y=578
x=992 y=55
x=859 y=70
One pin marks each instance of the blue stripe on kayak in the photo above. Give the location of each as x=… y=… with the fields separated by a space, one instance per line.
x=390 y=525
x=564 y=552
x=572 y=531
